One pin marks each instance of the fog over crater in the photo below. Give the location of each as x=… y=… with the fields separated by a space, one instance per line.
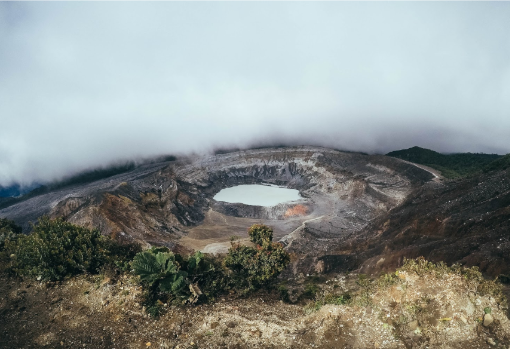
x=86 y=84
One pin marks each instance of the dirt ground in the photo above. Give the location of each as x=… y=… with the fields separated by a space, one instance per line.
x=213 y=235
x=104 y=312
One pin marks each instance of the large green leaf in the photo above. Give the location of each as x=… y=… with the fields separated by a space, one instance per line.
x=166 y=260
x=178 y=283
x=194 y=261
x=192 y=264
x=173 y=283
x=166 y=284
x=147 y=266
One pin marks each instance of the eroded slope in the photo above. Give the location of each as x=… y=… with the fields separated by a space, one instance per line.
x=466 y=221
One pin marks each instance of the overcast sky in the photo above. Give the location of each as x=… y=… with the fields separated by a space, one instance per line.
x=85 y=84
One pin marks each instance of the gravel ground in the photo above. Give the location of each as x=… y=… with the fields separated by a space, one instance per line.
x=104 y=312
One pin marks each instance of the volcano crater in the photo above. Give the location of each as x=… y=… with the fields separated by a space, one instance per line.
x=172 y=203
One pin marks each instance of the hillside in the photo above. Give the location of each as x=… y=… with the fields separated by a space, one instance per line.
x=359 y=211
x=502 y=163
x=451 y=165
x=15 y=193
x=464 y=221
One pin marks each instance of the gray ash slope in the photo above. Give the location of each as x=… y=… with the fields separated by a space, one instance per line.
x=171 y=203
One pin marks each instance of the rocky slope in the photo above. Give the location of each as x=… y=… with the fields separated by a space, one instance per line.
x=464 y=221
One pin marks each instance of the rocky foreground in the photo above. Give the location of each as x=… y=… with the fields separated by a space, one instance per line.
x=419 y=306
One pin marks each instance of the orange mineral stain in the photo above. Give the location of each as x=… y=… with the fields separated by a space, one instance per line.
x=298 y=210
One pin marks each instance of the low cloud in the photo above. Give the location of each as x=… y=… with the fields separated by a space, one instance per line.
x=87 y=84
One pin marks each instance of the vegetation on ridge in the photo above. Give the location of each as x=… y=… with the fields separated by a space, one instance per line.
x=368 y=288
x=451 y=165
x=502 y=163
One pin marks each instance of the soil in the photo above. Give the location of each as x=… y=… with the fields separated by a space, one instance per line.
x=104 y=312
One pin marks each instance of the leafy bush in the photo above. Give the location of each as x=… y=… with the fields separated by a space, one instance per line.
x=160 y=270
x=254 y=267
x=57 y=249
x=119 y=254
x=284 y=293
x=337 y=299
x=314 y=306
x=310 y=291
x=170 y=277
x=8 y=231
x=260 y=233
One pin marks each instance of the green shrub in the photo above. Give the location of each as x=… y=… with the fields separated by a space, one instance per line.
x=209 y=276
x=310 y=291
x=283 y=292
x=56 y=249
x=316 y=305
x=8 y=231
x=386 y=280
x=171 y=277
x=255 y=267
x=260 y=233
x=119 y=254
x=312 y=307
x=337 y=299
x=160 y=270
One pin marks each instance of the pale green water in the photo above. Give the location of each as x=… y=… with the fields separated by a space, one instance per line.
x=257 y=195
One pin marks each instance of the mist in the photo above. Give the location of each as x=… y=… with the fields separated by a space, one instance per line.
x=87 y=84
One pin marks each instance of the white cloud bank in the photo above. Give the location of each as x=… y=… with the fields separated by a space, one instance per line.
x=85 y=84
